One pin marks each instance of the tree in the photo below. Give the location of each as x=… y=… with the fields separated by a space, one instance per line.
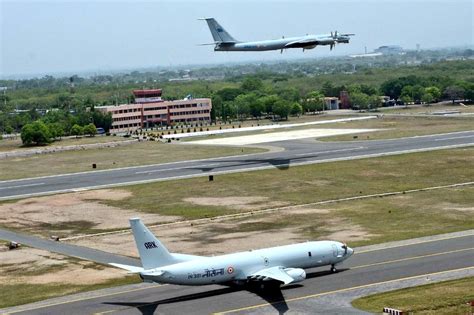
x=296 y=109
x=328 y=89
x=256 y=107
x=77 y=130
x=90 y=130
x=242 y=104
x=282 y=108
x=374 y=101
x=251 y=84
x=427 y=98
x=56 y=130
x=454 y=92
x=406 y=99
x=269 y=102
x=434 y=91
x=359 y=100
x=313 y=101
x=36 y=132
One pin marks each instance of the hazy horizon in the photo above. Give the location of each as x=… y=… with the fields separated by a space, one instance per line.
x=39 y=38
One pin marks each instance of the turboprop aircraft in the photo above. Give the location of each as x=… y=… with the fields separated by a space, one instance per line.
x=281 y=265
x=223 y=41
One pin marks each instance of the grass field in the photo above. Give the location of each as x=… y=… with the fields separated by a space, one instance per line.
x=443 y=211
x=22 y=293
x=448 y=297
x=398 y=127
x=424 y=109
x=141 y=153
x=15 y=144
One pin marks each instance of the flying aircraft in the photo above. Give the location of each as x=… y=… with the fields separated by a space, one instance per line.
x=223 y=41
x=277 y=265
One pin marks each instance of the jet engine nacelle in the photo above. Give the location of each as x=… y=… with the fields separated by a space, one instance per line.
x=296 y=273
x=309 y=46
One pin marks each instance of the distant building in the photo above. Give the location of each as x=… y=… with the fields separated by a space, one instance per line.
x=389 y=50
x=331 y=103
x=344 y=100
x=150 y=110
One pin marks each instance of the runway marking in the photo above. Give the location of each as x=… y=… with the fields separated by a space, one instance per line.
x=179 y=168
x=452 y=138
x=241 y=170
x=340 y=290
x=83 y=299
x=216 y=158
x=18 y=186
x=346 y=289
x=330 y=151
x=412 y=258
x=415 y=243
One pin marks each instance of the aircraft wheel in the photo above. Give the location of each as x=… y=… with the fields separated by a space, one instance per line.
x=333 y=269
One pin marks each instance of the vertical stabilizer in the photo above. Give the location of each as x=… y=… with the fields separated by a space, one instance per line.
x=152 y=253
x=218 y=32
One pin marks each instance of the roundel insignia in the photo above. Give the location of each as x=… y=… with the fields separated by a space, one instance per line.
x=230 y=270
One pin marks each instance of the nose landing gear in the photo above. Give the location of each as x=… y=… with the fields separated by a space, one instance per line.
x=333 y=269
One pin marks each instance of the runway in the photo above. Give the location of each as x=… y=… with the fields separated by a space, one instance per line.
x=370 y=266
x=298 y=152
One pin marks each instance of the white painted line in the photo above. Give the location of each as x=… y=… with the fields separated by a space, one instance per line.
x=177 y=168
x=452 y=138
x=132 y=167
x=264 y=127
x=281 y=136
x=330 y=151
x=349 y=158
x=19 y=186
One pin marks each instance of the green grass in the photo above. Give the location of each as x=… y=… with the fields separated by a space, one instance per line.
x=22 y=293
x=141 y=153
x=425 y=109
x=382 y=219
x=448 y=297
x=15 y=144
x=398 y=127
x=304 y=184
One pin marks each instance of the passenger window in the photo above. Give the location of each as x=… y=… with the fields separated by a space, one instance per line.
x=309 y=254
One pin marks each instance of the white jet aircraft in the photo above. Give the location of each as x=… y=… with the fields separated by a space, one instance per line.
x=282 y=264
x=223 y=41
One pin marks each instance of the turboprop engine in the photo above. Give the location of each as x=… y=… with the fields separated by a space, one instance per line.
x=296 y=273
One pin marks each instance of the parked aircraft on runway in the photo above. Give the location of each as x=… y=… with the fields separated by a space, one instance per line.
x=223 y=41
x=282 y=264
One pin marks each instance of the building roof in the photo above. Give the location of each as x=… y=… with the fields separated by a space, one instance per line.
x=145 y=93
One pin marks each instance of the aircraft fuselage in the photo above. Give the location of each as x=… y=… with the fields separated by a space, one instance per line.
x=237 y=266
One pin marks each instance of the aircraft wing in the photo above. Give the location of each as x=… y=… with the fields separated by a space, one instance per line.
x=274 y=273
x=302 y=43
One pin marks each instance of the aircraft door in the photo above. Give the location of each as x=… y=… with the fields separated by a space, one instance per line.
x=334 y=250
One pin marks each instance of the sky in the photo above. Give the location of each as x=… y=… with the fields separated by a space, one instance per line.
x=49 y=37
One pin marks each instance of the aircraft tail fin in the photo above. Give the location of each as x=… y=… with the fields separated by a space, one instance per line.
x=152 y=253
x=219 y=34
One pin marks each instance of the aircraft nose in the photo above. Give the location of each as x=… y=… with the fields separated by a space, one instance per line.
x=350 y=251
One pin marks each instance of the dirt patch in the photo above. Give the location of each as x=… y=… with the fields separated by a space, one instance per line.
x=239 y=203
x=343 y=231
x=35 y=266
x=220 y=237
x=72 y=213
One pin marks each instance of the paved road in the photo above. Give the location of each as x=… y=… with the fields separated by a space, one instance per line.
x=367 y=267
x=295 y=153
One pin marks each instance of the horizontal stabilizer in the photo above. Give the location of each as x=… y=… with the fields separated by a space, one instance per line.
x=131 y=269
